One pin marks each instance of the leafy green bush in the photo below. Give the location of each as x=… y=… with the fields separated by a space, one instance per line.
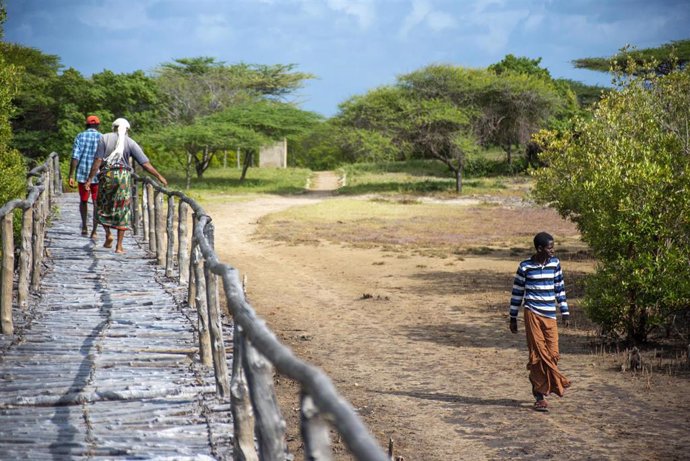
x=623 y=176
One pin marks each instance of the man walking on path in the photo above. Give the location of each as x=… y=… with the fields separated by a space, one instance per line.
x=83 y=153
x=539 y=286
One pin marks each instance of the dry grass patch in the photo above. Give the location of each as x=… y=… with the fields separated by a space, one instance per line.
x=434 y=229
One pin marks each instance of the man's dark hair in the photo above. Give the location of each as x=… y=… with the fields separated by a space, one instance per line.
x=542 y=239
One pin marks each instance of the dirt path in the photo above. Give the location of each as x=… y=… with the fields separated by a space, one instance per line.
x=420 y=346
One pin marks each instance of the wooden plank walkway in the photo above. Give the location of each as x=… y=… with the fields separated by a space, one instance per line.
x=105 y=365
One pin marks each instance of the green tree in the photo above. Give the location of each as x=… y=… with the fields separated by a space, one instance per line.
x=34 y=121
x=622 y=176
x=417 y=126
x=505 y=108
x=272 y=120
x=197 y=87
x=662 y=58
x=12 y=169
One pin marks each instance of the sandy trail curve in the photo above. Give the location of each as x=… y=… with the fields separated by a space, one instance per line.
x=426 y=357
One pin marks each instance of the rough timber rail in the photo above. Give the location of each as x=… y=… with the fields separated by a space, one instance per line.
x=112 y=357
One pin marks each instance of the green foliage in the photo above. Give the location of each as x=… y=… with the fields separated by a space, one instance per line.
x=664 y=58
x=12 y=168
x=417 y=126
x=586 y=95
x=198 y=87
x=622 y=176
x=12 y=176
x=247 y=126
x=520 y=65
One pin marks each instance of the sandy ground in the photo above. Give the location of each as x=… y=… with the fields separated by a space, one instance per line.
x=420 y=346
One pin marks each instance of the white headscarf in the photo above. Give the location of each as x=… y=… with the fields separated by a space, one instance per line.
x=116 y=156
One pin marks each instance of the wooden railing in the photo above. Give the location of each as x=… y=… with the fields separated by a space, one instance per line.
x=256 y=350
x=44 y=183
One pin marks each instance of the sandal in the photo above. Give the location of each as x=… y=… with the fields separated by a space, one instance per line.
x=84 y=232
x=541 y=405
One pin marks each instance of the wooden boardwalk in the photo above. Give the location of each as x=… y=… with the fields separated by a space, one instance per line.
x=105 y=364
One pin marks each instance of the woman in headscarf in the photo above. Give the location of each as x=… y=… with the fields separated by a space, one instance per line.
x=113 y=207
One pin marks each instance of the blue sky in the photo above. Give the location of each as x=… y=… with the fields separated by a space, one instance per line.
x=350 y=45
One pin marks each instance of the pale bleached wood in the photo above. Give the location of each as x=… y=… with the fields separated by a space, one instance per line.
x=134 y=205
x=333 y=407
x=159 y=226
x=220 y=363
x=170 y=248
x=315 y=431
x=144 y=213
x=200 y=303
x=191 y=286
x=270 y=426
x=37 y=241
x=242 y=413
x=182 y=244
x=152 y=218
x=6 y=279
x=24 y=276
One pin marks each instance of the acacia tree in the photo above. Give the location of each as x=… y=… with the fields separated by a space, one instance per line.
x=622 y=176
x=426 y=128
x=509 y=102
x=201 y=86
x=270 y=120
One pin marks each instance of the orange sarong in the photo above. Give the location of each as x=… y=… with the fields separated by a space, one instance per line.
x=542 y=342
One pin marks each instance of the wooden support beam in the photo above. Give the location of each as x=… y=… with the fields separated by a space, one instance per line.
x=25 y=253
x=169 y=232
x=182 y=244
x=7 y=275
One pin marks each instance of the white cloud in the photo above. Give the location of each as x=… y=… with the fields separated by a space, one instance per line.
x=362 y=10
x=423 y=13
x=124 y=15
x=439 y=21
x=212 y=29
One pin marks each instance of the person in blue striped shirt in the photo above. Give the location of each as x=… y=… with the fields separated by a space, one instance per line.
x=539 y=288
x=83 y=152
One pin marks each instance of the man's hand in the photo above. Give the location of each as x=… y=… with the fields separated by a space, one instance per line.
x=87 y=185
x=513 y=325
x=566 y=320
x=72 y=182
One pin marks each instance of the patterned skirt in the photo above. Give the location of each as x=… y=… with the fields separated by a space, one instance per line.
x=114 y=197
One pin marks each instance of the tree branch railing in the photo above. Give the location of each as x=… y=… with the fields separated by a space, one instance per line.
x=35 y=211
x=256 y=349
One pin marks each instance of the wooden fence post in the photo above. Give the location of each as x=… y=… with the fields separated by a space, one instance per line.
x=6 y=279
x=182 y=244
x=144 y=213
x=57 y=176
x=134 y=204
x=152 y=218
x=220 y=365
x=191 y=286
x=169 y=265
x=37 y=242
x=24 y=277
x=200 y=302
x=270 y=426
x=315 y=435
x=48 y=183
x=241 y=407
x=159 y=226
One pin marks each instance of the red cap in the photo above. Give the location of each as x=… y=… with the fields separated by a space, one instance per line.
x=93 y=120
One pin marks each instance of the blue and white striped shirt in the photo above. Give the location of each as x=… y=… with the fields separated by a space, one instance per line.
x=83 y=151
x=540 y=287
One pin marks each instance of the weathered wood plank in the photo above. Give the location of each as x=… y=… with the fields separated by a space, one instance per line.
x=110 y=366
